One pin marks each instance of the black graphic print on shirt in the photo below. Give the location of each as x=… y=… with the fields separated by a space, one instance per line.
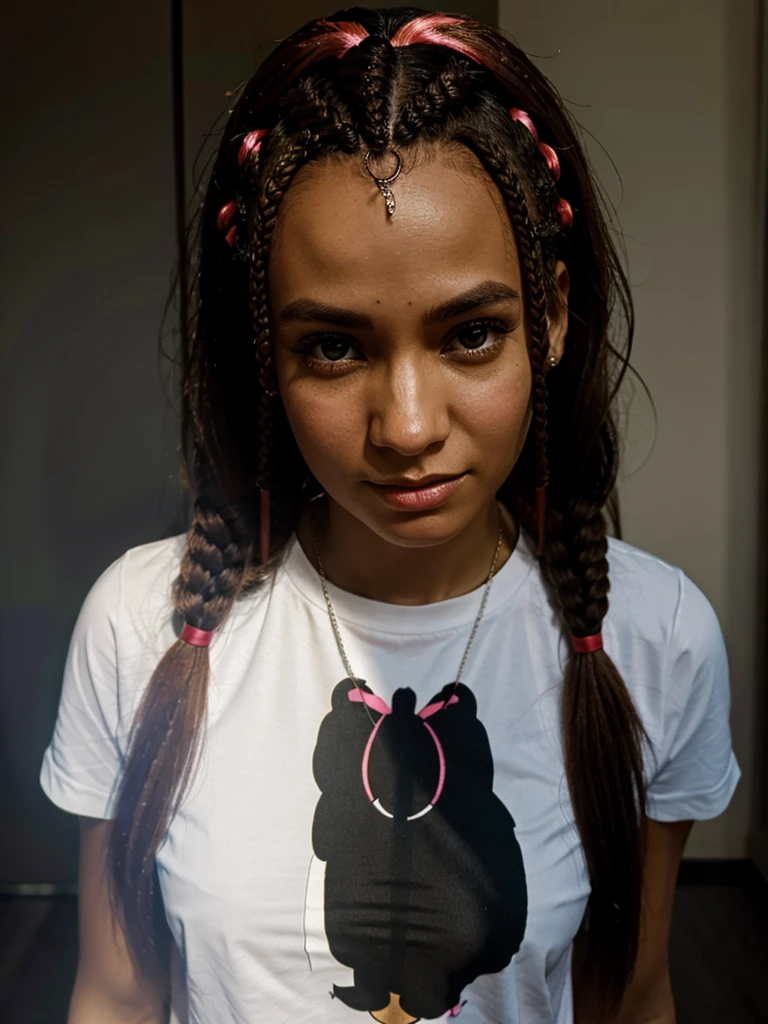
x=424 y=879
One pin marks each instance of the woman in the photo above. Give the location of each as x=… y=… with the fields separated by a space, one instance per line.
x=404 y=748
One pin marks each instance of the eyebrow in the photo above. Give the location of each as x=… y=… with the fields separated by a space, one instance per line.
x=480 y=295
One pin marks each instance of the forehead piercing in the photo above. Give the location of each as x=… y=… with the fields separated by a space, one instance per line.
x=383 y=183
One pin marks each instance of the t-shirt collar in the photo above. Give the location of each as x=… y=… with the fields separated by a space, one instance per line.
x=409 y=619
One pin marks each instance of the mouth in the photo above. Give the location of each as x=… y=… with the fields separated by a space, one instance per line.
x=428 y=492
x=405 y=482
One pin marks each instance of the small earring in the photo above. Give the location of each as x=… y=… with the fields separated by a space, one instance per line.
x=552 y=361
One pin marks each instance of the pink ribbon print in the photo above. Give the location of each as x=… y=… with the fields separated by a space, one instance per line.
x=377 y=704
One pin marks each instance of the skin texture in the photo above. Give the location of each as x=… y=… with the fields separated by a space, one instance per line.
x=403 y=397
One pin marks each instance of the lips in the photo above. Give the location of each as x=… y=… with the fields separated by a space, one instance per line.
x=428 y=495
x=423 y=481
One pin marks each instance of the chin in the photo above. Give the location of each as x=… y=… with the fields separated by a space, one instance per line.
x=423 y=529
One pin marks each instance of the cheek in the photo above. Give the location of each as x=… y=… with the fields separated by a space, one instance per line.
x=498 y=416
x=326 y=430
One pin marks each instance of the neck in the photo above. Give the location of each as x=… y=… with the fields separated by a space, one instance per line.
x=358 y=560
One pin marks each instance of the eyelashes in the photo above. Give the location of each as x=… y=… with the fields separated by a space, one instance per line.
x=343 y=345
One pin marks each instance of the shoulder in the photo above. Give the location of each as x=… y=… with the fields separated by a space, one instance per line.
x=129 y=603
x=155 y=561
x=665 y=638
x=662 y=633
x=140 y=566
x=655 y=601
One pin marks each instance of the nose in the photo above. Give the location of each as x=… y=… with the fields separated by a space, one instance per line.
x=409 y=409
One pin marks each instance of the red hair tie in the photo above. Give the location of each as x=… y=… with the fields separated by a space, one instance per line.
x=585 y=644
x=196 y=637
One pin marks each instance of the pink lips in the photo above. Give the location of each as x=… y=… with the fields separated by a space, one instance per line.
x=416 y=498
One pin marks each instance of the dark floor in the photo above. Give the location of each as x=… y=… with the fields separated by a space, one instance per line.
x=719 y=952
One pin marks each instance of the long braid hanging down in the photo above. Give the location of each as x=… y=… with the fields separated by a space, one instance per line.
x=575 y=564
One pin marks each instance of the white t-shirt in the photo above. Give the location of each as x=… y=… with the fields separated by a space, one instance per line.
x=290 y=895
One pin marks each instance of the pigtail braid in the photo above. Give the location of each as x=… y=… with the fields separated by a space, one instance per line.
x=601 y=727
x=165 y=741
x=603 y=750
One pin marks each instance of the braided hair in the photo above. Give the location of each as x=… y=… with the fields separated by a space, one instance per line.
x=314 y=101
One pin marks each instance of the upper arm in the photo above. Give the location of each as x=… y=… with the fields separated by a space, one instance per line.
x=106 y=987
x=648 y=996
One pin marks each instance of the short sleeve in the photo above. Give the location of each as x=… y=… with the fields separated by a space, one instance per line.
x=82 y=763
x=697 y=772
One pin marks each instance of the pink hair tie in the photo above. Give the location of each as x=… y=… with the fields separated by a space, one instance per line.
x=426 y=29
x=551 y=157
x=566 y=213
x=196 y=637
x=251 y=143
x=549 y=154
x=336 y=38
x=564 y=209
x=520 y=115
x=225 y=215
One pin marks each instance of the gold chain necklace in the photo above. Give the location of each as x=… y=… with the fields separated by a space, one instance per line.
x=334 y=623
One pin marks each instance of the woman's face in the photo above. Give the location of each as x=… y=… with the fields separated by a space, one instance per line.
x=399 y=343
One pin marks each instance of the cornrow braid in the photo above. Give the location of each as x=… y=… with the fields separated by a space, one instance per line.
x=497 y=163
x=447 y=92
x=316 y=107
x=264 y=222
x=376 y=91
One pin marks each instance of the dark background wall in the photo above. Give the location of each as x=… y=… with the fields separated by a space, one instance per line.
x=92 y=173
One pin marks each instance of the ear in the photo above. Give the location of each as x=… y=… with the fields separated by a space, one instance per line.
x=558 y=324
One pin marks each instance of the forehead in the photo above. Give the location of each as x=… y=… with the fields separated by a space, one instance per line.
x=333 y=232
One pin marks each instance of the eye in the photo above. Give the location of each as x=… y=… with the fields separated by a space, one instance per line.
x=333 y=347
x=472 y=336
x=327 y=353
